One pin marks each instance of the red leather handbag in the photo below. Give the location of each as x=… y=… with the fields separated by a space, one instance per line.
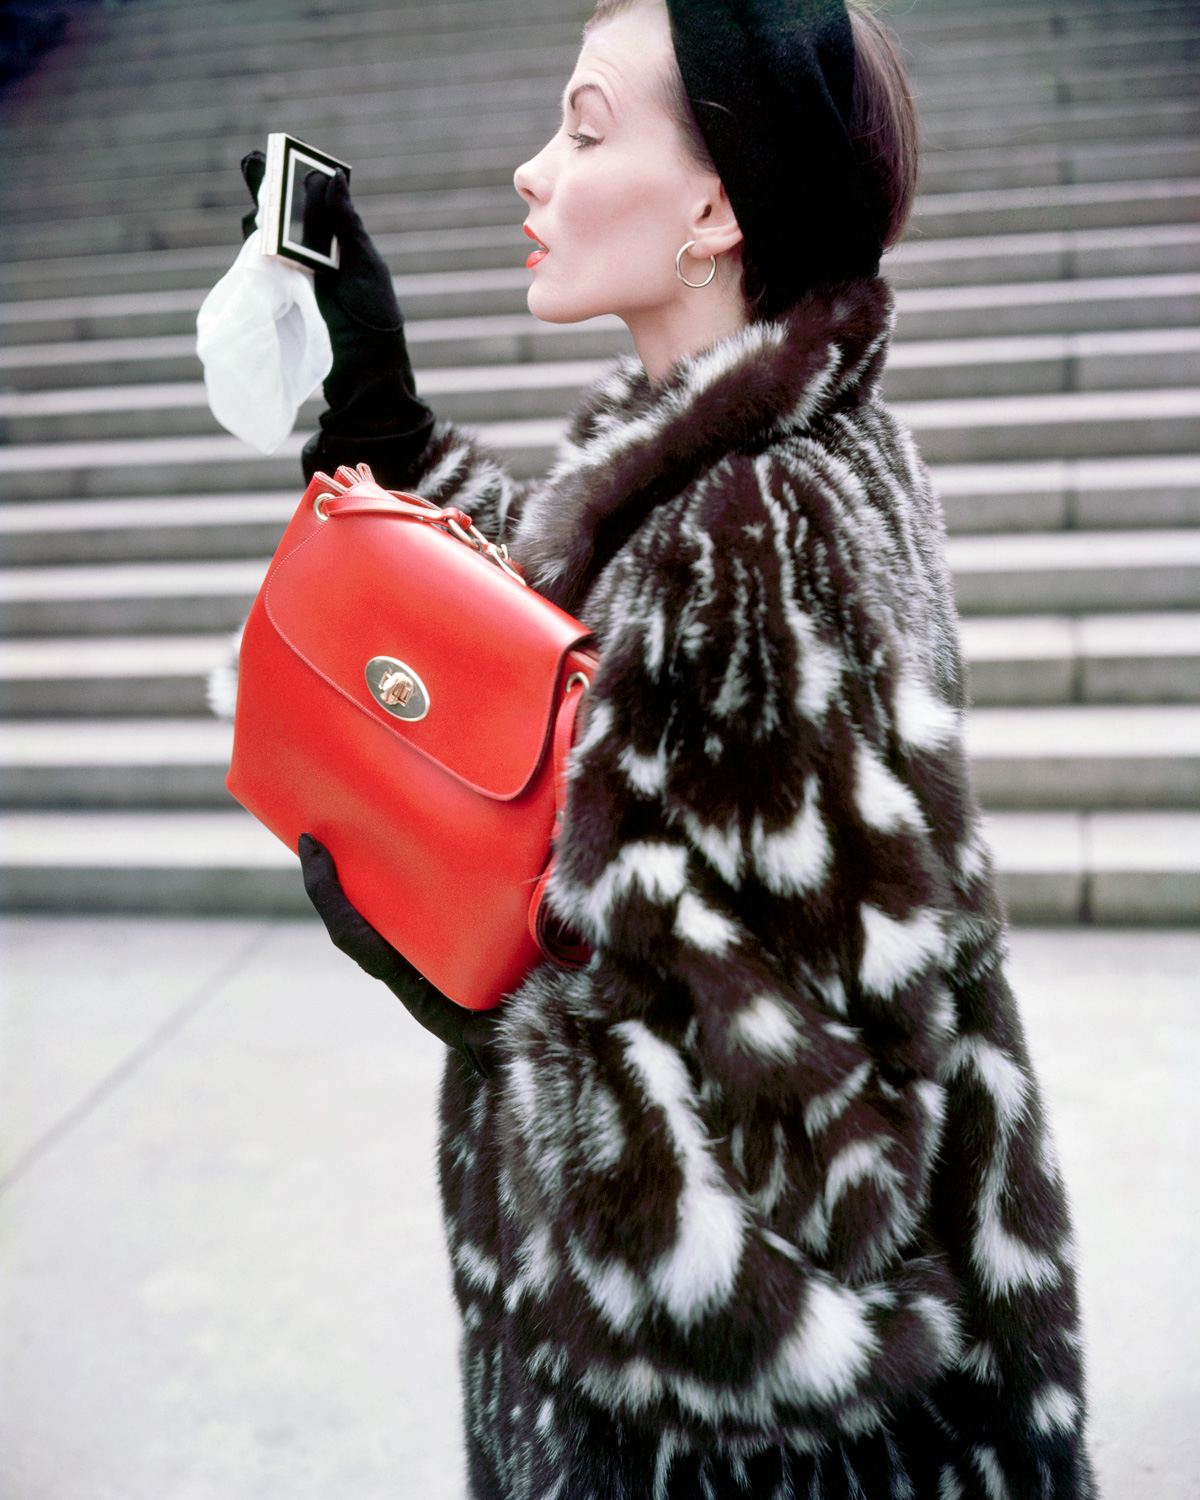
x=406 y=698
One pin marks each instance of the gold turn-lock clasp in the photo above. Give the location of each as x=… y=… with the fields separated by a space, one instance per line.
x=395 y=689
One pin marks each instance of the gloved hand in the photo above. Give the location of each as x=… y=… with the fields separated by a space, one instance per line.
x=473 y=1033
x=375 y=415
x=254 y=167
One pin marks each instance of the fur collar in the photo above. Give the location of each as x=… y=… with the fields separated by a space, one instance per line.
x=631 y=446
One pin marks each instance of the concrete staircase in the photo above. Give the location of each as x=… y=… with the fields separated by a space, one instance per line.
x=1047 y=357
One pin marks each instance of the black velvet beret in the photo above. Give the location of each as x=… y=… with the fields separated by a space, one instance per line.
x=770 y=83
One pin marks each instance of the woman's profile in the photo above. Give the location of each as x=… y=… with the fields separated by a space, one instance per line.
x=761 y=1202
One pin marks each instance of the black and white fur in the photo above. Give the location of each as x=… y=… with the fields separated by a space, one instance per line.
x=762 y=1202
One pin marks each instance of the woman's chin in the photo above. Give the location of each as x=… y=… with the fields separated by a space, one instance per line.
x=549 y=305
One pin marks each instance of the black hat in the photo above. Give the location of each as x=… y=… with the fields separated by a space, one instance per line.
x=770 y=83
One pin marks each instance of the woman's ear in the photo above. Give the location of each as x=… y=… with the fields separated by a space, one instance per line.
x=714 y=224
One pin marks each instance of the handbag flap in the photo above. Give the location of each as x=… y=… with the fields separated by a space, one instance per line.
x=485 y=651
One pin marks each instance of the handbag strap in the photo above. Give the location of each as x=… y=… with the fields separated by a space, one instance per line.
x=560 y=946
x=361 y=496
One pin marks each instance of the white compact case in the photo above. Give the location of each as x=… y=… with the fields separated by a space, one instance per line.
x=281 y=199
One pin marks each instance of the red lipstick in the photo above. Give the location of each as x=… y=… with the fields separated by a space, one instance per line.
x=537 y=255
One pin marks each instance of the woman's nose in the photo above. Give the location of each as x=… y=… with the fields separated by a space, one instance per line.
x=530 y=178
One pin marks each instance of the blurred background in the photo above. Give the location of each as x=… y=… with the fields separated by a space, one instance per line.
x=224 y=1267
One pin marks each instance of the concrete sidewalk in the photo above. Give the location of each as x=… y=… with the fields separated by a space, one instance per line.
x=223 y=1270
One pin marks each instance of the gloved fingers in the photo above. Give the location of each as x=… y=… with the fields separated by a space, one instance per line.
x=254 y=168
x=347 y=927
x=317 y=229
x=344 y=218
x=479 y=1042
x=361 y=287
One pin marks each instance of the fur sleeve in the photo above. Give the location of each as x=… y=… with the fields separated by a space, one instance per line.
x=455 y=471
x=718 y=1139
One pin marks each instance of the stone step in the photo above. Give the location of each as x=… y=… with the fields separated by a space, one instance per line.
x=137 y=467
x=50 y=432
x=936 y=216
x=343 y=122
x=1088 y=494
x=177 y=186
x=1064 y=85
x=1033 y=364
x=1076 y=424
x=1075 y=495
x=1108 y=205
x=152 y=34
x=1049 y=659
x=1044 y=758
x=1076 y=572
x=1086 y=304
x=1122 y=868
x=943 y=21
x=476 y=247
x=148 y=32
x=1086 y=757
x=105 y=676
x=917 y=369
x=482 y=52
x=946 y=170
x=148 y=230
x=490 y=50
x=154 y=529
x=1059 y=659
x=187 y=862
x=1118 y=868
x=520 y=117
x=468 y=393
x=1027 y=126
x=126 y=598
x=1057 y=424
x=201 y=132
x=1144 y=250
x=151 y=762
x=496 y=339
x=1017 y=574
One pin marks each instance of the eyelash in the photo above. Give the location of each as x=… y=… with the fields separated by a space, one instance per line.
x=583 y=141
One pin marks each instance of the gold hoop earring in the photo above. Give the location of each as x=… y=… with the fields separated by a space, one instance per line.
x=697 y=284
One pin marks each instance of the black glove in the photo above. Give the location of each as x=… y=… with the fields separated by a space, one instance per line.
x=254 y=166
x=375 y=415
x=472 y=1032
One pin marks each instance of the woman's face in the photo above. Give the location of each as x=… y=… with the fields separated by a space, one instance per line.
x=613 y=195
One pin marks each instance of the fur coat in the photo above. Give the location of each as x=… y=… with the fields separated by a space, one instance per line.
x=762 y=1202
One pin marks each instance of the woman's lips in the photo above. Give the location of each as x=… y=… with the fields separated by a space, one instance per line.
x=537 y=255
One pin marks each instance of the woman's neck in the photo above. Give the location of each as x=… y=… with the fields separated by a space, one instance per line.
x=686 y=325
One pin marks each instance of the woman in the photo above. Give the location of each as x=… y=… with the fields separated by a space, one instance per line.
x=761 y=1202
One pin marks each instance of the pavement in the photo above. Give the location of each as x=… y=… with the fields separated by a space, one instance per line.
x=223 y=1269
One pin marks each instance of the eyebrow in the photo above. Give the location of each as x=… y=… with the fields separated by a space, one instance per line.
x=582 y=89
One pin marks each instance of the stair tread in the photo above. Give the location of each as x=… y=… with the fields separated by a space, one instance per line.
x=1162 y=840
x=153 y=511
x=165 y=839
x=1005 y=551
x=111 y=656
x=1005 y=637
x=1071 y=731
x=1061 y=732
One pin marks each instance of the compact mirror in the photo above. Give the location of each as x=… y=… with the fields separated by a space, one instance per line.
x=282 y=196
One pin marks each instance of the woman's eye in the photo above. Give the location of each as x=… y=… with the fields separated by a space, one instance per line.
x=582 y=140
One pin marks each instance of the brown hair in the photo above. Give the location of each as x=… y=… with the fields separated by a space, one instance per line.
x=883 y=127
